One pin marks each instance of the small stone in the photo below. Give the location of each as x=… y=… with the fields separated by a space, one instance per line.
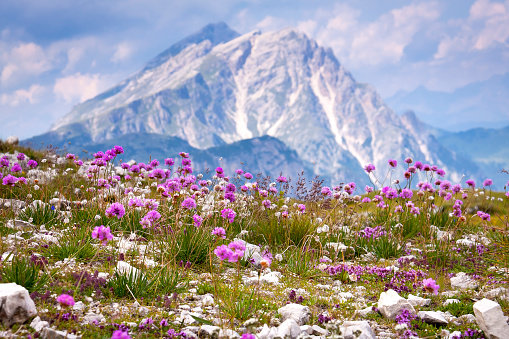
x=16 y=306
x=431 y=317
x=463 y=281
x=49 y=333
x=91 y=318
x=391 y=304
x=490 y=319
x=317 y=330
x=37 y=324
x=79 y=306
x=365 y=311
x=209 y=331
x=418 y=301
x=289 y=328
x=357 y=330
x=297 y=312
x=207 y=300
x=143 y=311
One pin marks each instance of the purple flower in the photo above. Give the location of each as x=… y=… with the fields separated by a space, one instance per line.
x=65 y=300
x=470 y=183
x=430 y=285
x=369 y=168
x=507 y=195
x=487 y=182
x=189 y=203
x=282 y=179
x=409 y=160
x=223 y=252
x=484 y=216
x=406 y=193
x=301 y=207
x=169 y=162
x=248 y=176
x=20 y=156
x=229 y=214
x=239 y=171
x=70 y=156
x=119 y=334
x=197 y=220
x=368 y=189
x=326 y=191
x=32 y=163
x=219 y=232
x=441 y=172
x=445 y=185
x=418 y=165
x=366 y=200
x=393 y=163
x=16 y=168
x=152 y=215
x=398 y=209
x=9 y=180
x=426 y=167
x=248 y=336
x=115 y=210
x=219 y=170
x=102 y=233
x=4 y=161
x=184 y=154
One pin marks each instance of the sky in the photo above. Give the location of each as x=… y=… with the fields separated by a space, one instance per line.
x=56 y=54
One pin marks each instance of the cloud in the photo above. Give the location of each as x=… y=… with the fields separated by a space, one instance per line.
x=271 y=23
x=381 y=41
x=20 y=96
x=24 y=59
x=80 y=87
x=122 y=52
x=486 y=26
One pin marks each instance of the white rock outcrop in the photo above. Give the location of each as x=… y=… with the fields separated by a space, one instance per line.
x=350 y=329
x=463 y=281
x=16 y=306
x=391 y=304
x=490 y=319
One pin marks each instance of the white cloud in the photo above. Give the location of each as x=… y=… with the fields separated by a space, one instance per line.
x=80 y=87
x=382 y=41
x=271 y=23
x=24 y=59
x=20 y=96
x=123 y=51
x=487 y=25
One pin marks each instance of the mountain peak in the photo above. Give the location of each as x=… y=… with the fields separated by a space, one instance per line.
x=216 y=33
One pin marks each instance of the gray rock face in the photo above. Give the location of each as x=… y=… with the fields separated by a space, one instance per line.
x=16 y=306
x=37 y=324
x=289 y=329
x=490 y=319
x=463 y=281
x=351 y=329
x=297 y=312
x=431 y=317
x=391 y=304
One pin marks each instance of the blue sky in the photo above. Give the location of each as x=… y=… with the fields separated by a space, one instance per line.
x=55 y=54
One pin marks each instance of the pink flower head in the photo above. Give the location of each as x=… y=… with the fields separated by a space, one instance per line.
x=115 y=210
x=188 y=203
x=65 y=300
x=184 y=154
x=219 y=232
x=20 y=156
x=239 y=171
x=9 y=180
x=248 y=176
x=430 y=285
x=282 y=179
x=119 y=334
x=32 y=163
x=369 y=168
x=301 y=207
x=487 y=182
x=507 y=195
x=409 y=160
x=16 y=168
x=102 y=233
x=484 y=216
x=169 y=162
x=393 y=163
x=229 y=214
x=223 y=252
x=70 y=156
x=197 y=220
x=266 y=203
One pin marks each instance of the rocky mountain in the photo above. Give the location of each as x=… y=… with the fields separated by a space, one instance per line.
x=216 y=89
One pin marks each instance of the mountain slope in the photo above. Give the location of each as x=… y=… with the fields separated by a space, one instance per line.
x=211 y=92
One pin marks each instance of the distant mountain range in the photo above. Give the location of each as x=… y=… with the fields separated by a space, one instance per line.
x=484 y=103
x=275 y=101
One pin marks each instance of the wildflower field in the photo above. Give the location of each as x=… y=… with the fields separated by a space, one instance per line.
x=112 y=249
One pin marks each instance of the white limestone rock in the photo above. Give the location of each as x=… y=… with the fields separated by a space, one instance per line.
x=431 y=317
x=16 y=306
x=490 y=319
x=289 y=329
x=391 y=304
x=463 y=281
x=418 y=301
x=297 y=312
x=350 y=328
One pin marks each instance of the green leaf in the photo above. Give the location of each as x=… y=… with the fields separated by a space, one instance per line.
x=203 y=321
